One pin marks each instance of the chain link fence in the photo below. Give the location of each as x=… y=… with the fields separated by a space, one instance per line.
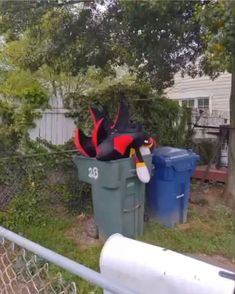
x=26 y=182
x=25 y=273
x=39 y=179
x=24 y=269
x=30 y=185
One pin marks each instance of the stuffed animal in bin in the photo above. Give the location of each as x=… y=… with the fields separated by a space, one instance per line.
x=112 y=141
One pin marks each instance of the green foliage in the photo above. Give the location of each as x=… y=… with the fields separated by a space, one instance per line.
x=148 y=36
x=157 y=33
x=16 y=120
x=162 y=118
x=22 y=211
x=36 y=97
x=18 y=16
x=22 y=95
x=29 y=184
x=204 y=149
x=76 y=197
x=24 y=86
x=23 y=186
x=217 y=22
x=77 y=50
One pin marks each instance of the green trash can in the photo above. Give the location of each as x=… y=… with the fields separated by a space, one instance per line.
x=118 y=196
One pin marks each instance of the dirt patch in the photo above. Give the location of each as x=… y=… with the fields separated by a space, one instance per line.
x=56 y=209
x=204 y=213
x=60 y=209
x=214 y=194
x=216 y=260
x=184 y=227
x=84 y=232
x=207 y=194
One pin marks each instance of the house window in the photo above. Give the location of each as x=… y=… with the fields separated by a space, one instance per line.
x=197 y=102
x=203 y=103
x=188 y=103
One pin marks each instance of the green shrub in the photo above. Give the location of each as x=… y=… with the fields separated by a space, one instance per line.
x=204 y=149
x=29 y=185
x=23 y=211
x=162 y=118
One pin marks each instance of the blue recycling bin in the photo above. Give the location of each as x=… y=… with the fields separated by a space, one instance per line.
x=167 y=194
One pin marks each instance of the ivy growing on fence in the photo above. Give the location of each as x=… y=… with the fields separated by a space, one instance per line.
x=29 y=185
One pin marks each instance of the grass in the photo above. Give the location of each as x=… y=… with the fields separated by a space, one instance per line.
x=51 y=234
x=208 y=230
x=210 y=233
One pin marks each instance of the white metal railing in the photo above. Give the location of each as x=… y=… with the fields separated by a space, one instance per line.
x=64 y=262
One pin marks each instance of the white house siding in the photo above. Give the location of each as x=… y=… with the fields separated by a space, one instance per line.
x=218 y=91
x=54 y=126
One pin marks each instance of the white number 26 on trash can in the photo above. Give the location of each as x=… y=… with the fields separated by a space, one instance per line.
x=93 y=172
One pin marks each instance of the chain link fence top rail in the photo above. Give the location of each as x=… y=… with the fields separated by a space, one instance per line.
x=23 y=272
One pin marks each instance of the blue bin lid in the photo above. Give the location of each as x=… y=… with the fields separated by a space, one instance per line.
x=170 y=156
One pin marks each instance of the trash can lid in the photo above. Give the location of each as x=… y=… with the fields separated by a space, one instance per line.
x=171 y=155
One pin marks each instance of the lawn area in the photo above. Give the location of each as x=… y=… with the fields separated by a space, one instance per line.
x=208 y=231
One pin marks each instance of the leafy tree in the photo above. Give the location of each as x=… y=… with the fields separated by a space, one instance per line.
x=159 y=37
x=217 y=20
x=21 y=97
x=154 y=38
x=17 y=16
x=72 y=47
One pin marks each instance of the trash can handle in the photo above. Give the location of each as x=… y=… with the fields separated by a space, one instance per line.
x=133 y=208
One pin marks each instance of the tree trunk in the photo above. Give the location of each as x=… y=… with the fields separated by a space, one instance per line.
x=230 y=189
x=231 y=173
